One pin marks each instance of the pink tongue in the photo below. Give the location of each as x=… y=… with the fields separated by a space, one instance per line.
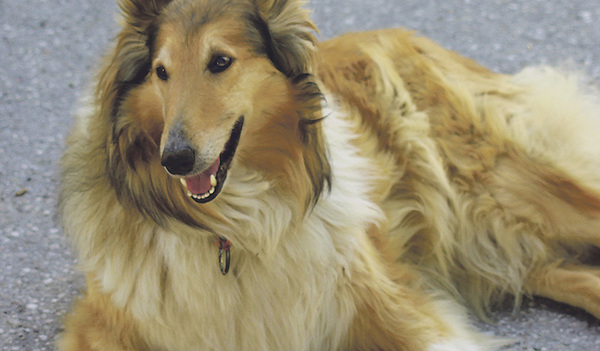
x=200 y=183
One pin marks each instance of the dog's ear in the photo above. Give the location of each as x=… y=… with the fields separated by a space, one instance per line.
x=289 y=35
x=129 y=63
x=142 y=13
x=126 y=68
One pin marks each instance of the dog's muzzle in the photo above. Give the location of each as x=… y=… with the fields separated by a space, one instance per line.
x=202 y=181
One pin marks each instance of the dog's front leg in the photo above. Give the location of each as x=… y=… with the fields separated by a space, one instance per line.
x=97 y=325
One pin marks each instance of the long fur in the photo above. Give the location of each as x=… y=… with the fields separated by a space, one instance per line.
x=380 y=184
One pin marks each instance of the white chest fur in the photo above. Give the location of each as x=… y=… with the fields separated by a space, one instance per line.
x=288 y=288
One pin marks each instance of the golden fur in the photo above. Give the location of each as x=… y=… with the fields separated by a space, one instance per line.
x=379 y=183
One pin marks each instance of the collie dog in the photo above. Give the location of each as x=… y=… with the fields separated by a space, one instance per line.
x=233 y=184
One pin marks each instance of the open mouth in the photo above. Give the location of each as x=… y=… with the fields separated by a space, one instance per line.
x=207 y=185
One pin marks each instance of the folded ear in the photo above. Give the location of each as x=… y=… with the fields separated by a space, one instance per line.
x=129 y=63
x=291 y=33
x=120 y=84
x=142 y=13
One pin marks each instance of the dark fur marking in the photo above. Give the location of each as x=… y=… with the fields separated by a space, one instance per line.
x=310 y=115
x=256 y=22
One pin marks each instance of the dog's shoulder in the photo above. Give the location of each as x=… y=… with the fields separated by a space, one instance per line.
x=361 y=61
x=349 y=62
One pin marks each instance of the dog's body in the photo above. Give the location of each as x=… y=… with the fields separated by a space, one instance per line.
x=353 y=220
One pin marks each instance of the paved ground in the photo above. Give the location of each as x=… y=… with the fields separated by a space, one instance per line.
x=48 y=47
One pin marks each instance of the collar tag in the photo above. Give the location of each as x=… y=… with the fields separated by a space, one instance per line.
x=224 y=255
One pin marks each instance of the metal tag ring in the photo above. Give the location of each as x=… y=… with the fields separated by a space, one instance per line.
x=224 y=257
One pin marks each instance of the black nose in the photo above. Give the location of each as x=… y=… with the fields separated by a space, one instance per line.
x=178 y=159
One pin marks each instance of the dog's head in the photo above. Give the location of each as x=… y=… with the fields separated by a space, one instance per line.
x=195 y=87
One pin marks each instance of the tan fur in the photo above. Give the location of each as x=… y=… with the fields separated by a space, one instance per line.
x=379 y=180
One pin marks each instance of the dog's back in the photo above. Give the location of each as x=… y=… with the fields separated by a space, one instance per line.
x=488 y=180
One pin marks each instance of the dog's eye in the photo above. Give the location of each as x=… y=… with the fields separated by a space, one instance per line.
x=219 y=63
x=161 y=72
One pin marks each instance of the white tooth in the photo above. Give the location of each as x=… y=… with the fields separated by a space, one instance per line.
x=190 y=194
x=213 y=180
x=182 y=180
x=212 y=190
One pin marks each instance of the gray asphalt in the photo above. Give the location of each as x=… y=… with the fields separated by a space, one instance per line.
x=48 y=49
